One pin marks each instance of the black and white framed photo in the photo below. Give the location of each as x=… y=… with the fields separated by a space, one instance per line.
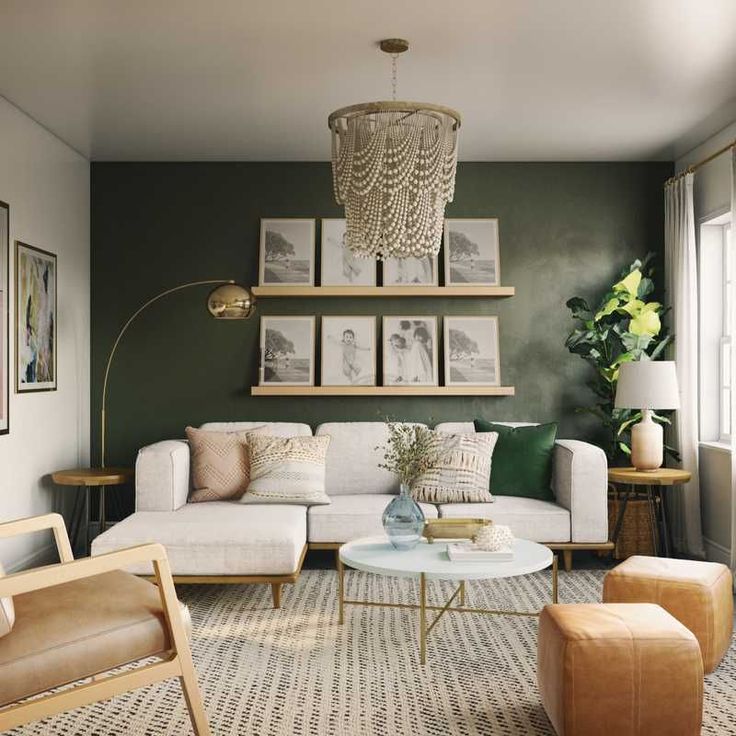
x=340 y=267
x=348 y=351
x=471 y=351
x=472 y=252
x=35 y=319
x=410 y=351
x=287 y=252
x=287 y=351
x=4 y=318
x=410 y=271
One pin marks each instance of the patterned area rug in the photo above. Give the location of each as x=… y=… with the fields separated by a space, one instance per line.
x=295 y=672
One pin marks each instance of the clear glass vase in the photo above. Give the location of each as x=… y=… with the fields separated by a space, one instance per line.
x=403 y=520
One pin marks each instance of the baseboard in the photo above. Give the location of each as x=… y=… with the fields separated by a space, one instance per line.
x=45 y=555
x=716 y=552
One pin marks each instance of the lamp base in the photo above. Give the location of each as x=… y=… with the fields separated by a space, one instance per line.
x=647 y=444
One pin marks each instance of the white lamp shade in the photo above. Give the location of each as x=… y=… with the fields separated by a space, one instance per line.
x=647 y=384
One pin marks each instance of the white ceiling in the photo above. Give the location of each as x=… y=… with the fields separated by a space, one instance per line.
x=240 y=80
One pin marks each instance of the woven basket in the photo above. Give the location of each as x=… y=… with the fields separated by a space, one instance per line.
x=635 y=537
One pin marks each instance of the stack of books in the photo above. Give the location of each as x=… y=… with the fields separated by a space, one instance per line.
x=466 y=552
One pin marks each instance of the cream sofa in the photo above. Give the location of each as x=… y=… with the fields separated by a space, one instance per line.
x=239 y=543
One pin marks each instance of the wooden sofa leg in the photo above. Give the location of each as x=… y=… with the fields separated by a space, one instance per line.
x=276 y=594
x=567 y=559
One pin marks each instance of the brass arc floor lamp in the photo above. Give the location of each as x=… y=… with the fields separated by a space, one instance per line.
x=228 y=300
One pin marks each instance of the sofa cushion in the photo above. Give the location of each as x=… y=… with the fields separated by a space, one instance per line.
x=468 y=427
x=522 y=460
x=7 y=612
x=74 y=630
x=349 y=517
x=286 y=469
x=277 y=429
x=217 y=538
x=529 y=518
x=220 y=464
x=353 y=458
x=461 y=470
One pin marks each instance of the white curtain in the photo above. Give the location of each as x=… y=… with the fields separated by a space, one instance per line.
x=733 y=375
x=682 y=297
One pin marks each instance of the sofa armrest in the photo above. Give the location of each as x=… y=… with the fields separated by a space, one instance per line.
x=580 y=484
x=162 y=476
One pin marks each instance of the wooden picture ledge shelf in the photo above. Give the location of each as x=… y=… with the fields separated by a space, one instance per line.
x=377 y=291
x=382 y=391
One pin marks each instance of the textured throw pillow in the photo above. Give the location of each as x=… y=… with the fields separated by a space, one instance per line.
x=287 y=470
x=462 y=471
x=220 y=464
x=522 y=460
x=7 y=612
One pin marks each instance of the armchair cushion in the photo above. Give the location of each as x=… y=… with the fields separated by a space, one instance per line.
x=74 y=630
x=7 y=612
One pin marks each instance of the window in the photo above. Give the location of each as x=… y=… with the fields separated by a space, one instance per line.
x=717 y=326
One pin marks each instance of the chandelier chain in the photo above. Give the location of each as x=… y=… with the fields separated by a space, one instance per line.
x=394 y=75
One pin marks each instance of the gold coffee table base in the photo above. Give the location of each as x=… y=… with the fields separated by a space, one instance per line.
x=423 y=607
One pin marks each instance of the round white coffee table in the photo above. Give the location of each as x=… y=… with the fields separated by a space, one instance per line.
x=430 y=562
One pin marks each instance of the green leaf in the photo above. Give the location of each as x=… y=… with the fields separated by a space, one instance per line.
x=646 y=323
x=609 y=308
x=630 y=284
x=660 y=347
x=633 y=307
x=579 y=308
x=625 y=425
x=624 y=448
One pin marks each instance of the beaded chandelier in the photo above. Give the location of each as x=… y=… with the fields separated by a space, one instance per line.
x=393 y=168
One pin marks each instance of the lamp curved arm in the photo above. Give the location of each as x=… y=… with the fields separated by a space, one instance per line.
x=131 y=319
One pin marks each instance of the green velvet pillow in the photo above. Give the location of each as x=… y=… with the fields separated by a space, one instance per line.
x=522 y=459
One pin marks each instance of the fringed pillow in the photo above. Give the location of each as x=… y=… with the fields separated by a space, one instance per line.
x=462 y=471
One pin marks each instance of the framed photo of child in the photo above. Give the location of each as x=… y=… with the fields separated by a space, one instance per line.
x=471 y=351
x=411 y=271
x=348 y=351
x=471 y=252
x=410 y=351
x=287 y=351
x=340 y=267
x=286 y=252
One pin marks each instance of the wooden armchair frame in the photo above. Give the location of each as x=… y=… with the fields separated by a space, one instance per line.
x=177 y=662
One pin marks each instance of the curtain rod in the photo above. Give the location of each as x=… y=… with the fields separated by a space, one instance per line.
x=694 y=167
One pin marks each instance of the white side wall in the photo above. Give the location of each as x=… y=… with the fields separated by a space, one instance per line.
x=712 y=193
x=46 y=184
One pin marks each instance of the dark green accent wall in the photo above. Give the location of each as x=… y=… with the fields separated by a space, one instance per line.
x=565 y=228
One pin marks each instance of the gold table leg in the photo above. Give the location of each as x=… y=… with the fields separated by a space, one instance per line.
x=461 y=599
x=422 y=619
x=554 y=578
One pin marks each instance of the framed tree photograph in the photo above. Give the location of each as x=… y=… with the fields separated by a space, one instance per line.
x=340 y=267
x=410 y=351
x=35 y=319
x=348 y=351
x=287 y=252
x=472 y=252
x=410 y=271
x=471 y=351
x=287 y=351
x=4 y=318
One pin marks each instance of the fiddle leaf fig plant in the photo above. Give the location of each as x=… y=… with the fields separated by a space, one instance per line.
x=624 y=327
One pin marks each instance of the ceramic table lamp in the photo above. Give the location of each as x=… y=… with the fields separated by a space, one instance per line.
x=647 y=385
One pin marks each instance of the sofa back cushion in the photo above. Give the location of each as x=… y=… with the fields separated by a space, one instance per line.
x=7 y=612
x=352 y=458
x=275 y=429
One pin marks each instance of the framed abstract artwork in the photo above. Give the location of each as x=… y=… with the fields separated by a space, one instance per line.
x=4 y=318
x=339 y=266
x=287 y=252
x=471 y=351
x=348 y=351
x=287 y=351
x=410 y=351
x=471 y=252
x=35 y=319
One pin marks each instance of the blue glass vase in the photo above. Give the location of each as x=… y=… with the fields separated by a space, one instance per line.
x=403 y=520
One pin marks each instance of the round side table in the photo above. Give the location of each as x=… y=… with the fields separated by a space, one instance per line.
x=653 y=482
x=88 y=478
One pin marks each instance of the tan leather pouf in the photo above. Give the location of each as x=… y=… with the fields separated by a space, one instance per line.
x=619 y=669
x=698 y=594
